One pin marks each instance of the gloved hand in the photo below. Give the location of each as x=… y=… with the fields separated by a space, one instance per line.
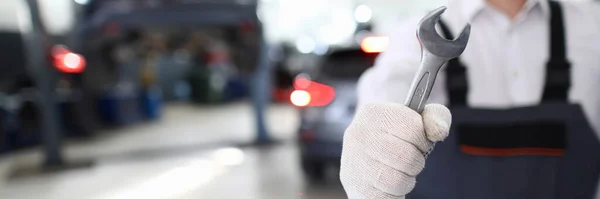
x=384 y=148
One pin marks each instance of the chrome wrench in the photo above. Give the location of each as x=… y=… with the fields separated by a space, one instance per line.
x=435 y=52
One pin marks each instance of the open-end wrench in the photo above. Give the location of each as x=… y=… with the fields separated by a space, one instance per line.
x=435 y=52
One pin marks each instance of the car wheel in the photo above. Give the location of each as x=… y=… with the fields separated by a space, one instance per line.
x=313 y=170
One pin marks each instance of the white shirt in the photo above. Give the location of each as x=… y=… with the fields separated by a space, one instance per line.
x=505 y=60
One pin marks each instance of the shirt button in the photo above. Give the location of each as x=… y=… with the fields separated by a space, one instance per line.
x=515 y=74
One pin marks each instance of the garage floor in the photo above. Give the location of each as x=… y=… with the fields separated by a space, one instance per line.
x=193 y=152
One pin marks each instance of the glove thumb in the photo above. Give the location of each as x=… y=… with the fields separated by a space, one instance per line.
x=436 y=120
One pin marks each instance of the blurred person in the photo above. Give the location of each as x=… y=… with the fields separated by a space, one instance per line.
x=525 y=59
x=154 y=48
x=126 y=56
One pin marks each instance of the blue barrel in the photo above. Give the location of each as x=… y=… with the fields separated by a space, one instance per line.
x=236 y=89
x=151 y=103
x=120 y=108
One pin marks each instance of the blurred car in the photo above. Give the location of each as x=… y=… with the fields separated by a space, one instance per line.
x=326 y=98
x=24 y=58
x=288 y=63
x=307 y=54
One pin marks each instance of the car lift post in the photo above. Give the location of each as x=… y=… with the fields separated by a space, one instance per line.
x=262 y=92
x=46 y=78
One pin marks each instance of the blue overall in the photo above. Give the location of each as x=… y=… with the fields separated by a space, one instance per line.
x=547 y=151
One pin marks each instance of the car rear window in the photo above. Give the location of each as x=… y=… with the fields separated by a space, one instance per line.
x=348 y=64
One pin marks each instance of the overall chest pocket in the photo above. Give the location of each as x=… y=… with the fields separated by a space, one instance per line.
x=519 y=160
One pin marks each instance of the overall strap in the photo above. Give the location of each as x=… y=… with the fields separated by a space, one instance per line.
x=457 y=85
x=558 y=73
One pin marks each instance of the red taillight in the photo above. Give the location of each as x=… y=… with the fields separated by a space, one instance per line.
x=374 y=44
x=247 y=26
x=217 y=56
x=307 y=136
x=66 y=61
x=310 y=93
x=301 y=83
x=111 y=29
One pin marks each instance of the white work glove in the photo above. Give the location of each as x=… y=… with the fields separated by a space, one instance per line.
x=384 y=148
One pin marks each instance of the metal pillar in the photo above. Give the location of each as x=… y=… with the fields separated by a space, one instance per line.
x=39 y=43
x=261 y=93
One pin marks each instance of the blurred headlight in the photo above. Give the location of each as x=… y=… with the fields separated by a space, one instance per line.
x=374 y=44
x=363 y=14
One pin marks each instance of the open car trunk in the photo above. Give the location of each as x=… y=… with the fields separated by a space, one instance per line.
x=236 y=22
x=231 y=23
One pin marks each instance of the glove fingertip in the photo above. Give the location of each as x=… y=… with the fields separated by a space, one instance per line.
x=437 y=120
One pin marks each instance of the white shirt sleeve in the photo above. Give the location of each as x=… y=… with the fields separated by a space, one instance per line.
x=390 y=78
x=586 y=66
x=584 y=26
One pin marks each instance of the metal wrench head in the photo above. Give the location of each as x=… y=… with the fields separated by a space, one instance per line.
x=432 y=42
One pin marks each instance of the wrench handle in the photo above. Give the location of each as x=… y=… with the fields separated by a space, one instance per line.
x=419 y=91
x=422 y=83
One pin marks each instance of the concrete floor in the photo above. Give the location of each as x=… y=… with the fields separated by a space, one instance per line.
x=193 y=152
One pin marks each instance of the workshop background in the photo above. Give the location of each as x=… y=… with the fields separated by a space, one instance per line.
x=107 y=99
